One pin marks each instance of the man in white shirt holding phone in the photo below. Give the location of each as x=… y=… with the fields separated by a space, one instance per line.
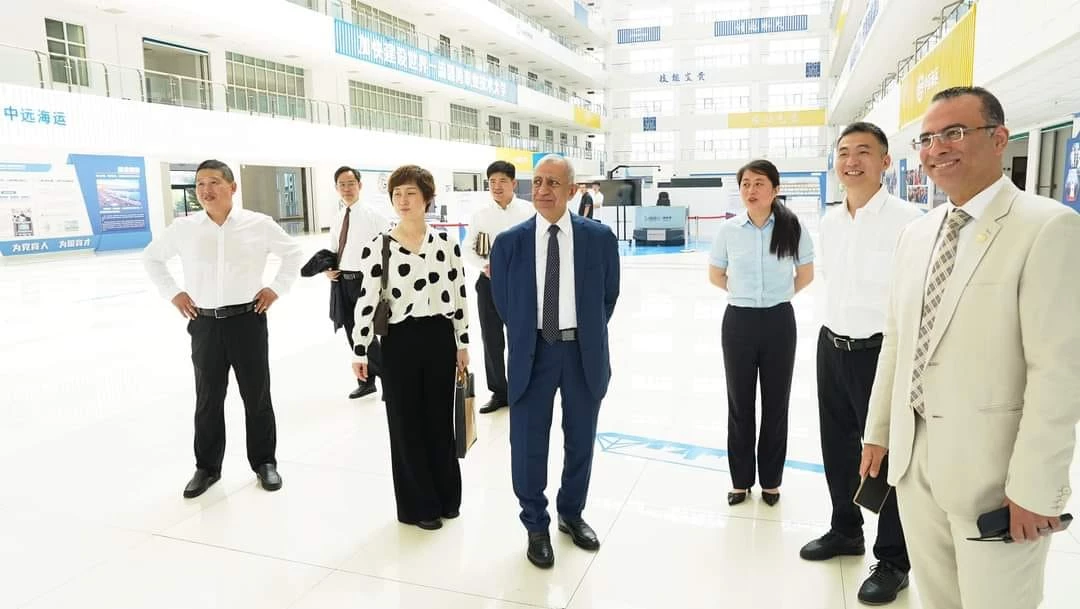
x=858 y=238
x=505 y=211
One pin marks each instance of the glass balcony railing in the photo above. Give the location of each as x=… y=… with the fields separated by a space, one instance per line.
x=28 y=67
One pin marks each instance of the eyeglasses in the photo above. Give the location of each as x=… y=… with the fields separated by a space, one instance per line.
x=347 y=184
x=952 y=134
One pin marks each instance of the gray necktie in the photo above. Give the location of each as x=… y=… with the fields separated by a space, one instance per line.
x=549 y=329
x=935 y=289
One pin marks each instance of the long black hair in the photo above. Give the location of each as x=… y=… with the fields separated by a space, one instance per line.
x=786 y=231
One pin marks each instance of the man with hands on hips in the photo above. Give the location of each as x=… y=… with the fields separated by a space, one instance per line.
x=977 y=391
x=223 y=252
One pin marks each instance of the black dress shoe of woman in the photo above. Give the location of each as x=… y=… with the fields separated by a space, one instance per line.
x=770 y=498
x=735 y=498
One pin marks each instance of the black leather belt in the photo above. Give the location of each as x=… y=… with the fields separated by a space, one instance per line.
x=351 y=276
x=845 y=343
x=226 y=312
x=565 y=336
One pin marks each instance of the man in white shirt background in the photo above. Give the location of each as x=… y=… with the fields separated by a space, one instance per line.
x=505 y=211
x=354 y=226
x=597 y=196
x=223 y=252
x=858 y=238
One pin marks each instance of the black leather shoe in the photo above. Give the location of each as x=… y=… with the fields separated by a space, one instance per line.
x=429 y=525
x=201 y=481
x=735 y=498
x=884 y=583
x=367 y=388
x=770 y=499
x=268 y=476
x=493 y=405
x=582 y=534
x=540 y=552
x=831 y=545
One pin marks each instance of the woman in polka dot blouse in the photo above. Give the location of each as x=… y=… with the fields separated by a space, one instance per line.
x=426 y=344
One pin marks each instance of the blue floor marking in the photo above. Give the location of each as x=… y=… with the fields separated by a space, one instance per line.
x=679 y=453
x=627 y=249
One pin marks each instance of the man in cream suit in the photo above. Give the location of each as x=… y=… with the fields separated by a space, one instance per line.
x=977 y=392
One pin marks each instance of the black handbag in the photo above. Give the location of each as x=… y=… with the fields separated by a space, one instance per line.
x=382 y=310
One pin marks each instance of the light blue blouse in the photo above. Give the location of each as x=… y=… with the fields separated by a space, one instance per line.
x=757 y=278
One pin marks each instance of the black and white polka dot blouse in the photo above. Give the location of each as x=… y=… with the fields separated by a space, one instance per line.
x=423 y=284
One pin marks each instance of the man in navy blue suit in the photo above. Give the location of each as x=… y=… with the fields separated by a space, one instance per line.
x=555 y=280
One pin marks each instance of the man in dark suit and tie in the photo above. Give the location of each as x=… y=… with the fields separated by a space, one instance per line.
x=555 y=280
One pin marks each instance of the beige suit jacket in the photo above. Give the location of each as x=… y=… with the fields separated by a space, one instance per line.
x=1002 y=383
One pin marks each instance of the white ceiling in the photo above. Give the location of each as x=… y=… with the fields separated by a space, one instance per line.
x=1044 y=89
x=560 y=21
x=433 y=19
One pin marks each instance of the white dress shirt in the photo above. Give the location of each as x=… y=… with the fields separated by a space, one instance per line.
x=857 y=262
x=597 y=198
x=567 y=293
x=364 y=224
x=427 y=283
x=492 y=219
x=222 y=265
x=976 y=208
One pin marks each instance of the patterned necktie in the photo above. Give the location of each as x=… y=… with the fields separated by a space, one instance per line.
x=549 y=329
x=344 y=236
x=935 y=289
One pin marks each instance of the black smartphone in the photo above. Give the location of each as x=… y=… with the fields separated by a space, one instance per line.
x=873 y=492
x=995 y=523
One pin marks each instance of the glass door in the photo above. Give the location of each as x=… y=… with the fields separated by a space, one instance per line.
x=184 y=201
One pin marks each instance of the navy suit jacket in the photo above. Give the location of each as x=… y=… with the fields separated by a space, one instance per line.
x=596 y=287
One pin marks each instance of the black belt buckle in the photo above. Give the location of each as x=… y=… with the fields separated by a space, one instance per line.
x=219 y=313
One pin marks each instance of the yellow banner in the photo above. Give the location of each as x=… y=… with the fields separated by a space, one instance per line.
x=586 y=118
x=950 y=64
x=522 y=160
x=756 y=120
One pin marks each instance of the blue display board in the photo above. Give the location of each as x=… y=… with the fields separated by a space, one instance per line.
x=761 y=25
x=90 y=203
x=1070 y=195
x=638 y=34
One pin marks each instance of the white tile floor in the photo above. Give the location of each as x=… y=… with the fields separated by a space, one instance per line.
x=96 y=399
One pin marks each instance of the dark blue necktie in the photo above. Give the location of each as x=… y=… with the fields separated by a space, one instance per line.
x=549 y=329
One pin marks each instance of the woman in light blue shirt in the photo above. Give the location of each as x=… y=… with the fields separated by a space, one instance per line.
x=761 y=257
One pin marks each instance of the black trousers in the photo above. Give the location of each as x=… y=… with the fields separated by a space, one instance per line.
x=758 y=343
x=374 y=354
x=239 y=343
x=418 y=382
x=844 y=381
x=492 y=333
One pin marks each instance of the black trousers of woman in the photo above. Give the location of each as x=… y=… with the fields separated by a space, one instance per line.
x=758 y=343
x=420 y=358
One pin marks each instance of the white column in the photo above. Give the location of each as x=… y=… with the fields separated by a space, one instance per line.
x=1034 y=152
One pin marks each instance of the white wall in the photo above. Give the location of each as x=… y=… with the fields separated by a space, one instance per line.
x=275 y=30
x=168 y=134
x=1008 y=35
